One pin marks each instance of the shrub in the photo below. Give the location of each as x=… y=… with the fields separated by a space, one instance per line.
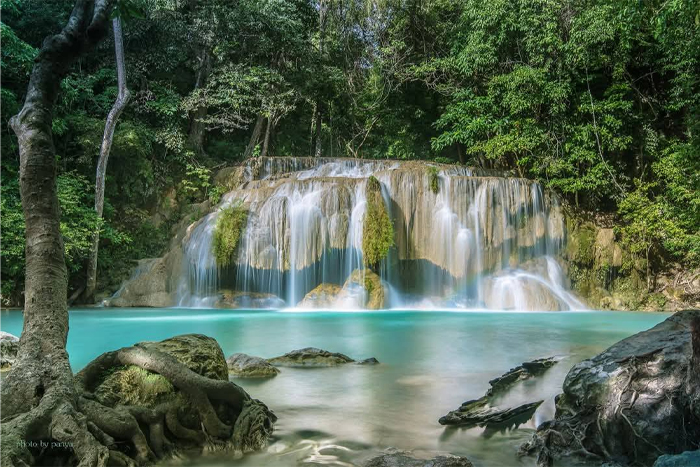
x=434 y=179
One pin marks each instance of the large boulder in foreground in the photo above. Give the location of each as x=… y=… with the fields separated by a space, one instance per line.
x=635 y=401
x=9 y=346
x=248 y=366
x=178 y=388
x=396 y=458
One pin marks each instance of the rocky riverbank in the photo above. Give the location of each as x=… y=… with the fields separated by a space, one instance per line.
x=634 y=402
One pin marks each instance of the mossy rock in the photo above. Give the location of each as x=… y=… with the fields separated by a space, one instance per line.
x=371 y=283
x=581 y=243
x=377 y=228
x=131 y=385
x=230 y=227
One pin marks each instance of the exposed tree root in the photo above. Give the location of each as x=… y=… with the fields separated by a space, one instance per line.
x=198 y=414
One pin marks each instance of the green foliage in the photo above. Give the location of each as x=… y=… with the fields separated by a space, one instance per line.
x=230 y=226
x=377 y=227
x=216 y=192
x=78 y=223
x=196 y=182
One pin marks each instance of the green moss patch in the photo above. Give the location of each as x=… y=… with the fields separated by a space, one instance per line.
x=132 y=385
x=229 y=229
x=434 y=179
x=377 y=230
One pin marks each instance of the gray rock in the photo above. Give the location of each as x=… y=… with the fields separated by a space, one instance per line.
x=479 y=413
x=9 y=346
x=247 y=366
x=396 y=458
x=525 y=371
x=310 y=357
x=639 y=398
x=323 y=296
x=368 y=361
x=253 y=300
x=687 y=459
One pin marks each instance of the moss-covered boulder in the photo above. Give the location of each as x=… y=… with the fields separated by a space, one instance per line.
x=310 y=357
x=178 y=392
x=377 y=228
x=131 y=385
x=365 y=289
x=323 y=296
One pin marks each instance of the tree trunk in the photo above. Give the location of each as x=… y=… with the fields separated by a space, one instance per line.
x=254 y=138
x=117 y=109
x=39 y=399
x=266 y=142
x=196 y=134
x=318 y=137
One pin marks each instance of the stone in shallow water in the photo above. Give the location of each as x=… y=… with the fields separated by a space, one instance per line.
x=310 y=357
x=525 y=371
x=248 y=366
x=479 y=412
x=368 y=361
x=396 y=458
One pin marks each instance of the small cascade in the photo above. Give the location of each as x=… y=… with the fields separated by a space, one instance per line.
x=473 y=240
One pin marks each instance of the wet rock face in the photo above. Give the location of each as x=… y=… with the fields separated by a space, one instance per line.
x=323 y=296
x=248 y=366
x=9 y=346
x=310 y=357
x=405 y=459
x=635 y=401
x=366 y=288
x=152 y=283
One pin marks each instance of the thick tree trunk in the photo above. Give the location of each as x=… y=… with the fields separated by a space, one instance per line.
x=266 y=141
x=117 y=109
x=196 y=133
x=254 y=138
x=39 y=399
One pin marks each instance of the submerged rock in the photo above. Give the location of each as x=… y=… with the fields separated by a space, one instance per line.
x=397 y=458
x=635 y=401
x=9 y=346
x=368 y=361
x=686 y=459
x=323 y=296
x=525 y=371
x=237 y=299
x=479 y=413
x=310 y=357
x=247 y=366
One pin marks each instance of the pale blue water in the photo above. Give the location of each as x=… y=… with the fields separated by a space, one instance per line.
x=431 y=362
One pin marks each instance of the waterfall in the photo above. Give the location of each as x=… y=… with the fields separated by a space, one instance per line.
x=479 y=240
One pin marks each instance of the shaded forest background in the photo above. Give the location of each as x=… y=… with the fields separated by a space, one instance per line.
x=597 y=99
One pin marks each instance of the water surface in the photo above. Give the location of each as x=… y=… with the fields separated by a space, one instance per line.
x=431 y=362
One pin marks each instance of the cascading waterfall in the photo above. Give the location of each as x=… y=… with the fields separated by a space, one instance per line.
x=478 y=241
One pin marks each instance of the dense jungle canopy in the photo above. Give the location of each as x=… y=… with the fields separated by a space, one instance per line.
x=597 y=99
